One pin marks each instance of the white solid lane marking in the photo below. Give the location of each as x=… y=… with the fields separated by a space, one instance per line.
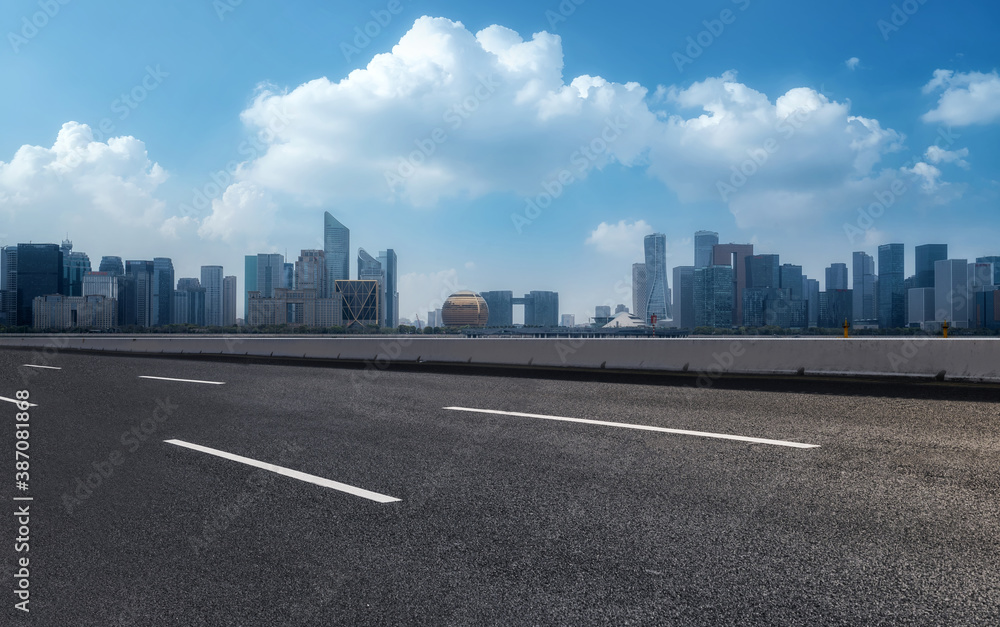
x=183 y=380
x=295 y=474
x=720 y=436
x=15 y=401
x=46 y=367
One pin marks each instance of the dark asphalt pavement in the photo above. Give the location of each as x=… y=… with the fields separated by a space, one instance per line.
x=503 y=520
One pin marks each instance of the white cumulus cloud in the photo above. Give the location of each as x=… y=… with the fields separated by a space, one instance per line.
x=453 y=114
x=936 y=154
x=966 y=98
x=852 y=63
x=624 y=239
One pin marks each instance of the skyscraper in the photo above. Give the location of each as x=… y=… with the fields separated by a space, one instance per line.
x=249 y=282
x=390 y=294
x=39 y=273
x=310 y=271
x=229 y=301
x=640 y=293
x=836 y=277
x=112 y=265
x=996 y=267
x=811 y=296
x=790 y=277
x=189 y=302
x=657 y=302
x=75 y=265
x=163 y=291
x=763 y=271
x=713 y=296
x=951 y=292
x=865 y=297
x=270 y=274
x=892 y=291
x=734 y=256
x=288 y=275
x=8 y=285
x=683 y=305
x=140 y=309
x=501 y=306
x=101 y=284
x=925 y=257
x=704 y=243
x=211 y=280
x=370 y=269
x=337 y=248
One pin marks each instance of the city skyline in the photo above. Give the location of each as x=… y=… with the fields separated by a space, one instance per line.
x=477 y=181
x=761 y=271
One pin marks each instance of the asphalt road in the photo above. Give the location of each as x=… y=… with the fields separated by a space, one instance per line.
x=892 y=518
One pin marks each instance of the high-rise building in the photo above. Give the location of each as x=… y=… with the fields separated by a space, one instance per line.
x=39 y=273
x=229 y=301
x=657 y=303
x=112 y=265
x=75 y=266
x=8 y=285
x=602 y=313
x=141 y=292
x=713 y=297
x=891 y=286
x=704 y=243
x=790 y=277
x=951 y=292
x=360 y=307
x=501 y=306
x=310 y=271
x=370 y=269
x=996 y=267
x=541 y=309
x=926 y=256
x=921 y=306
x=836 y=277
x=211 y=280
x=568 y=320
x=763 y=271
x=390 y=293
x=250 y=282
x=734 y=256
x=337 y=249
x=189 y=302
x=163 y=291
x=57 y=311
x=683 y=305
x=839 y=308
x=101 y=284
x=288 y=276
x=811 y=287
x=865 y=297
x=639 y=290
x=270 y=274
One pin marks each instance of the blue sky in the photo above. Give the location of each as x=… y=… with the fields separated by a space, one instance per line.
x=907 y=132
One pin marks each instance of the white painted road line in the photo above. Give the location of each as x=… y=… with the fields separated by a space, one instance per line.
x=183 y=380
x=34 y=366
x=604 y=423
x=15 y=401
x=295 y=474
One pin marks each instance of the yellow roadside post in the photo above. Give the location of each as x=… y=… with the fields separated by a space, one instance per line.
x=847 y=328
x=945 y=328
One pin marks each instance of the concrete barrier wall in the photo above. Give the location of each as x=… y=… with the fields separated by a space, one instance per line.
x=959 y=358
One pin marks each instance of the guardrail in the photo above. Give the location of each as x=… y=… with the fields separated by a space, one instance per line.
x=973 y=359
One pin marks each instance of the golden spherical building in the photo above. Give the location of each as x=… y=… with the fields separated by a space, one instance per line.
x=465 y=309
